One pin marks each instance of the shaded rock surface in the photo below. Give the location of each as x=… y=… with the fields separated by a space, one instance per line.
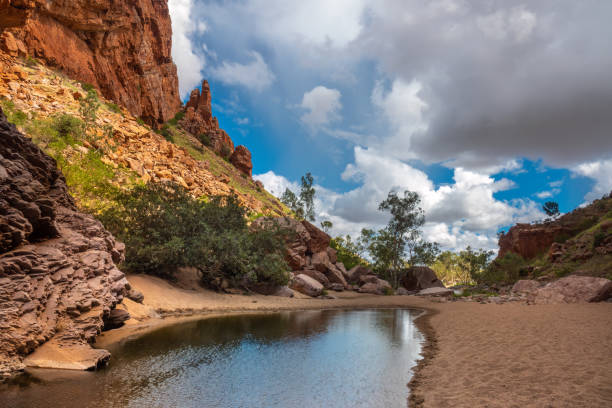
x=376 y=286
x=121 y=47
x=58 y=277
x=420 y=277
x=435 y=291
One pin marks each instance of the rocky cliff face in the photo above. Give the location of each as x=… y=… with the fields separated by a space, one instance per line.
x=122 y=47
x=578 y=242
x=58 y=278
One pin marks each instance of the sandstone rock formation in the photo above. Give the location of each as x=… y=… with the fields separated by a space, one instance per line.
x=199 y=120
x=529 y=240
x=420 y=277
x=58 y=278
x=575 y=289
x=376 y=286
x=241 y=159
x=121 y=47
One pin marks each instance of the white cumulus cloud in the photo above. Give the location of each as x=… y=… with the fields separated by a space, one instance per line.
x=322 y=105
x=255 y=74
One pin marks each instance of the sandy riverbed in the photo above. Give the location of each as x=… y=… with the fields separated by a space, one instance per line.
x=510 y=355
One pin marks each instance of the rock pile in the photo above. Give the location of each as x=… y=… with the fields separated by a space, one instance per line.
x=130 y=144
x=58 y=277
x=121 y=47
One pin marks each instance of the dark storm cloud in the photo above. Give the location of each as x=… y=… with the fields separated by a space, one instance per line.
x=501 y=78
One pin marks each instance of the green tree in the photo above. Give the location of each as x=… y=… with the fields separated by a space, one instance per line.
x=551 y=208
x=326 y=225
x=302 y=207
x=475 y=262
x=402 y=231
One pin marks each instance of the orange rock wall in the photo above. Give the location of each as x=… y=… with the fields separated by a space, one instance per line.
x=122 y=47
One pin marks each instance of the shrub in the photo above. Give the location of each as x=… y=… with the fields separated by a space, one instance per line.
x=598 y=238
x=205 y=139
x=13 y=115
x=31 y=62
x=163 y=228
x=87 y=87
x=166 y=133
x=174 y=121
x=225 y=152
x=113 y=107
x=141 y=121
x=88 y=108
x=68 y=127
x=505 y=270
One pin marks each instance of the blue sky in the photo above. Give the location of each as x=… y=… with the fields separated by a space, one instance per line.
x=482 y=107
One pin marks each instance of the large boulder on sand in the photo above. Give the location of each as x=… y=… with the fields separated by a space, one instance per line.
x=419 y=278
x=526 y=286
x=319 y=240
x=575 y=289
x=306 y=285
x=342 y=270
x=334 y=274
x=379 y=287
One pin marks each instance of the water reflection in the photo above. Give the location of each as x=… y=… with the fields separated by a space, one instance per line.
x=308 y=359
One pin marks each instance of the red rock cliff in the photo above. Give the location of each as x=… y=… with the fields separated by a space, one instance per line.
x=122 y=47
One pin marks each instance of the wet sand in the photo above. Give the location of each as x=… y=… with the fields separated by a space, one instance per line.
x=477 y=355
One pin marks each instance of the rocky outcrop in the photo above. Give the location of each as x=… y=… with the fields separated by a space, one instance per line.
x=575 y=289
x=420 y=277
x=121 y=47
x=302 y=239
x=241 y=159
x=306 y=285
x=528 y=240
x=58 y=278
x=376 y=286
x=200 y=122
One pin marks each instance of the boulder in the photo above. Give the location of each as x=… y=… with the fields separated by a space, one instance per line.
x=116 y=318
x=526 y=286
x=355 y=273
x=316 y=275
x=404 y=292
x=319 y=240
x=320 y=261
x=363 y=279
x=380 y=287
x=437 y=291
x=306 y=285
x=342 y=270
x=241 y=159
x=332 y=254
x=335 y=276
x=575 y=289
x=418 y=278
x=135 y=295
x=337 y=287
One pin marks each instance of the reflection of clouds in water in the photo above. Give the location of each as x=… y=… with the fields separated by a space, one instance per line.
x=311 y=358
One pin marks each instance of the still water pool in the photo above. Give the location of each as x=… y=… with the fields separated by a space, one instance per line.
x=325 y=358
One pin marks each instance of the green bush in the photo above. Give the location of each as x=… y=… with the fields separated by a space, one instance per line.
x=164 y=228
x=13 y=115
x=598 y=238
x=68 y=127
x=174 y=121
x=113 y=107
x=204 y=138
x=87 y=87
x=225 y=152
x=504 y=270
x=31 y=62
x=166 y=133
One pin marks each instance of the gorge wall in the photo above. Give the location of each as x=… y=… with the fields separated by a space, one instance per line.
x=122 y=47
x=58 y=279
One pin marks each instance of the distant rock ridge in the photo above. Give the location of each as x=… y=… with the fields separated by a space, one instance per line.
x=58 y=278
x=121 y=47
x=200 y=122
